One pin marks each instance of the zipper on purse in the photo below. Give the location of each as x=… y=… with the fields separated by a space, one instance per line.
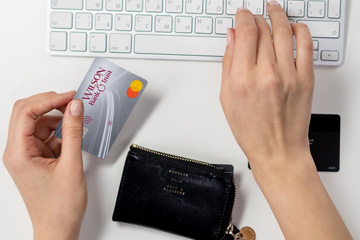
x=230 y=226
x=174 y=156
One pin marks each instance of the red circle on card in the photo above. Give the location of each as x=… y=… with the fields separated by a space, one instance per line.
x=131 y=93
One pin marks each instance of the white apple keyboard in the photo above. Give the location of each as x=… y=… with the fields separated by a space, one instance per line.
x=179 y=29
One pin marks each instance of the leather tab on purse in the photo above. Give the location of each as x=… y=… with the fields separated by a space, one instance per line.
x=175 y=194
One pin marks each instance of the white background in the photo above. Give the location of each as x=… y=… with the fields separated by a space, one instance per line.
x=178 y=113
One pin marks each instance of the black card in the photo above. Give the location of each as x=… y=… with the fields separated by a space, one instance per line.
x=227 y=168
x=324 y=140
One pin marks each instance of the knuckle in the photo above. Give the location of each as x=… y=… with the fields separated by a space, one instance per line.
x=283 y=31
x=247 y=29
x=19 y=104
x=10 y=164
x=222 y=98
x=272 y=83
x=306 y=45
x=73 y=132
x=5 y=160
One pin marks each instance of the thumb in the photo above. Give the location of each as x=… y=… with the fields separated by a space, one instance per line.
x=72 y=132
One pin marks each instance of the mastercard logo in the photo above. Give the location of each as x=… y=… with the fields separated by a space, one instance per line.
x=134 y=89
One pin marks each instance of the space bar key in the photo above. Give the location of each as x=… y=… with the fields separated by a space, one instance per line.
x=180 y=45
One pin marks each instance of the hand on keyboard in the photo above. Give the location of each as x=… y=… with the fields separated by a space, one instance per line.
x=266 y=97
x=265 y=94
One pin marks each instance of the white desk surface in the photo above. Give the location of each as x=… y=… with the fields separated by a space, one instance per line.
x=178 y=113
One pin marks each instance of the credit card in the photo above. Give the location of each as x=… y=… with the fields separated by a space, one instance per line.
x=324 y=139
x=109 y=94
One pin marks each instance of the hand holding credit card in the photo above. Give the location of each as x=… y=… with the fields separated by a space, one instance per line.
x=109 y=94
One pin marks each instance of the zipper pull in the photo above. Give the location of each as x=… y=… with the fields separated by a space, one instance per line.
x=232 y=233
x=246 y=233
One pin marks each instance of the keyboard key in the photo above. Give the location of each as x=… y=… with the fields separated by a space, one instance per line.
x=143 y=23
x=67 y=4
x=322 y=29
x=154 y=5
x=329 y=55
x=296 y=8
x=58 y=41
x=134 y=5
x=334 y=9
x=123 y=22
x=316 y=45
x=173 y=6
x=61 y=20
x=233 y=5
x=97 y=42
x=120 y=43
x=83 y=21
x=114 y=5
x=163 y=23
x=77 y=42
x=180 y=45
x=183 y=24
x=203 y=25
x=222 y=25
x=315 y=55
x=255 y=6
x=214 y=6
x=316 y=9
x=103 y=21
x=194 y=6
x=94 y=5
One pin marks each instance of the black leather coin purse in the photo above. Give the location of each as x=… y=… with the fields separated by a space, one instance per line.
x=187 y=197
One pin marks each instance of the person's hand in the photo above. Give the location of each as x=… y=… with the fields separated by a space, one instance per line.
x=267 y=98
x=265 y=95
x=53 y=187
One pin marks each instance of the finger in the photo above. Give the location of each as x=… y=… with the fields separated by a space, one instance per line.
x=27 y=111
x=265 y=49
x=54 y=144
x=72 y=132
x=245 y=39
x=304 y=48
x=45 y=125
x=227 y=63
x=282 y=34
x=62 y=109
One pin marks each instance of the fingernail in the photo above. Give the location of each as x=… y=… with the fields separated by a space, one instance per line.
x=241 y=9
x=76 y=108
x=273 y=3
x=228 y=37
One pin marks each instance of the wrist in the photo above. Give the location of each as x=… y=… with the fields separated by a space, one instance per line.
x=44 y=232
x=284 y=167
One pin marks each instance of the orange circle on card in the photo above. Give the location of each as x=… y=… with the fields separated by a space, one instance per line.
x=131 y=93
x=136 y=85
